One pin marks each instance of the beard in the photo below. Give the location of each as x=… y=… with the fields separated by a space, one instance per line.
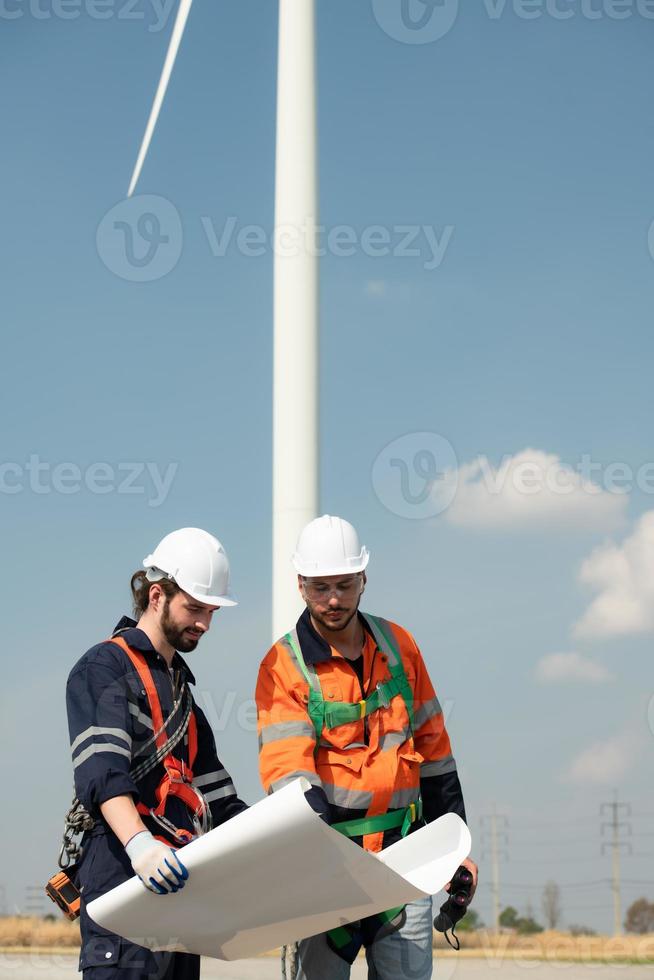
x=328 y=624
x=175 y=635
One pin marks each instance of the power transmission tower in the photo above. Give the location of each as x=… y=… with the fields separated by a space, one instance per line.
x=616 y=827
x=499 y=827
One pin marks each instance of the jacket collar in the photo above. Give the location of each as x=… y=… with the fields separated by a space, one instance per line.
x=140 y=641
x=315 y=648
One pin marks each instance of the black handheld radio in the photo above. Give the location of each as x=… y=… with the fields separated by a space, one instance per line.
x=456 y=906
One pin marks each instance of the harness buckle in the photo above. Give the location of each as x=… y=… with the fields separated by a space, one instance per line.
x=178 y=773
x=202 y=820
x=383 y=696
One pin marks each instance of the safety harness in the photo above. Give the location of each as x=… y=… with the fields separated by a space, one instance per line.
x=176 y=781
x=347 y=940
x=178 y=776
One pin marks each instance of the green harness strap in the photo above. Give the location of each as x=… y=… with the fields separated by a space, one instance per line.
x=382 y=822
x=327 y=715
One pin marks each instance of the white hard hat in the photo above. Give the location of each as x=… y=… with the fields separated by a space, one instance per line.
x=329 y=546
x=196 y=561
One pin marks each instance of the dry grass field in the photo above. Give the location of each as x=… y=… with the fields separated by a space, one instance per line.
x=554 y=946
x=32 y=933
x=35 y=935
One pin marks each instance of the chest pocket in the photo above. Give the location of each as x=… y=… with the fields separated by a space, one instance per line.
x=343 y=737
x=332 y=691
x=351 y=760
x=139 y=709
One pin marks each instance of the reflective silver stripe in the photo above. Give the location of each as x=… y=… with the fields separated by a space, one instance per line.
x=93 y=731
x=401 y=798
x=313 y=778
x=100 y=747
x=220 y=794
x=391 y=739
x=210 y=777
x=286 y=729
x=353 y=799
x=311 y=670
x=426 y=711
x=380 y=639
x=139 y=715
x=439 y=767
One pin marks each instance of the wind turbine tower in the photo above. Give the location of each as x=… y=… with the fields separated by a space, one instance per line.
x=295 y=370
x=295 y=376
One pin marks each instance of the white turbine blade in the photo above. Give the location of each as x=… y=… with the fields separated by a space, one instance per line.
x=175 y=41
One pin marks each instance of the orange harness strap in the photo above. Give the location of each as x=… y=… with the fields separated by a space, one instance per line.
x=177 y=777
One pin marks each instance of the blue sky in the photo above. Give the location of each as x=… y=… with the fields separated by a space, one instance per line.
x=524 y=146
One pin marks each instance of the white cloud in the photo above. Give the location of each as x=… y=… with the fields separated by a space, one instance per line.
x=570 y=667
x=605 y=761
x=623 y=575
x=532 y=489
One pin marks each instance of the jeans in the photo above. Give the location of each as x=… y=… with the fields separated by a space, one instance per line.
x=404 y=955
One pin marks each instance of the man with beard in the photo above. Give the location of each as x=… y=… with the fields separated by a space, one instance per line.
x=144 y=757
x=345 y=701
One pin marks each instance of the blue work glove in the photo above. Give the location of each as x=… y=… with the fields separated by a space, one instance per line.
x=156 y=864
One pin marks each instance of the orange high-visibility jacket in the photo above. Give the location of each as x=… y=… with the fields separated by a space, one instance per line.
x=367 y=767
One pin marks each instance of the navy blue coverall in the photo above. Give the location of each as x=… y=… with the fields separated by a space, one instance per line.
x=108 y=720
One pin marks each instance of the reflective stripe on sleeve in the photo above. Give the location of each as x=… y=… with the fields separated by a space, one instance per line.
x=95 y=732
x=286 y=729
x=426 y=711
x=313 y=778
x=94 y=749
x=210 y=777
x=439 y=767
x=402 y=798
x=220 y=794
x=350 y=799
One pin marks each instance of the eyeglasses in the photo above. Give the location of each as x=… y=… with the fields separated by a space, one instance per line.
x=324 y=591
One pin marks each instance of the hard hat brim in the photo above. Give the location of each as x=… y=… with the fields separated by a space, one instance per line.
x=315 y=570
x=155 y=574
x=212 y=600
